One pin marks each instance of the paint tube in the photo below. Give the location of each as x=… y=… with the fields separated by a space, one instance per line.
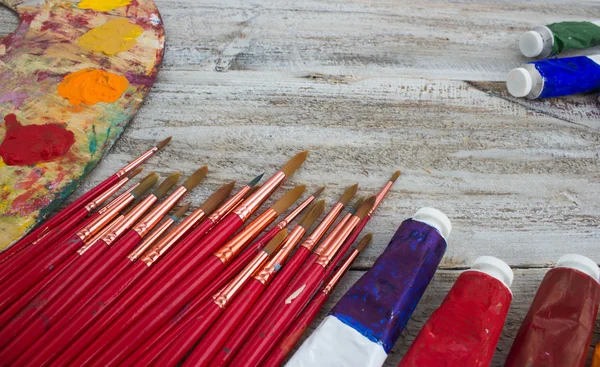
x=555 y=77
x=552 y=39
x=465 y=329
x=557 y=329
x=596 y=356
x=365 y=324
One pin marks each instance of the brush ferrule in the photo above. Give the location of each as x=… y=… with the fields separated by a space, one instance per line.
x=89 y=230
x=129 y=219
x=172 y=237
x=333 y=235
x=265 y=274
x=339 y=273
x=228 y=206
x=290 y=217
x=155 y=216
x=98 y=235
x=245 y=210
x=329 y=252
x=118 y=199
x=136 y=162
x=232 y=288
x=150 y=240
x=380 y=196
x=105 y=195
x=237 y=244
x=318 y=233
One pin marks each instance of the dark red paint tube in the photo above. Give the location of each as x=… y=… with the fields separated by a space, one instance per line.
x=465 y=329
x=557 y=329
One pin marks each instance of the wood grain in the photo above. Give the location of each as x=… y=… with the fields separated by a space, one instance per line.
x=374 y=86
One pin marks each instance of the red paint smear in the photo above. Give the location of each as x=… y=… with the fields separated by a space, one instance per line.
x=24 y=204
x=49 y=25
x=31 y=144
x=31 y=179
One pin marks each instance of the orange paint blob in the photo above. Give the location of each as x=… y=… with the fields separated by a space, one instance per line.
x=90 y=86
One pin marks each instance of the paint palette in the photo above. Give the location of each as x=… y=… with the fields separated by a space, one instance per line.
x=72 y=76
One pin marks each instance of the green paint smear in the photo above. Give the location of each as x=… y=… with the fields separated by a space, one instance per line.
x=93 y=146
x=574 y=36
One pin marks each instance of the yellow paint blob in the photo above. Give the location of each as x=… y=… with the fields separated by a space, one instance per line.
x=111 y=37
x=90 y=86
x=103 y=5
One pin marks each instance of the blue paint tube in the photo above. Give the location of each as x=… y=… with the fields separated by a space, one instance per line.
x=365 y=324
x=555 y=77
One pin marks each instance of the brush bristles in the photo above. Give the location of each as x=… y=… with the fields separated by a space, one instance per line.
x=349 y=194
x=395 y=176
x=167 y=184
x=179 y=212
x=358 y=204
x=215 y=200
x=312 y=214
x=256 y=180
x=195 y=179
x=164 y=142
x=288 y=199
x=273 y=245
x=293 y=164
x=145 y=184
x=365 y=207
x=364 y=242
x=135 y=172
x=319 y=192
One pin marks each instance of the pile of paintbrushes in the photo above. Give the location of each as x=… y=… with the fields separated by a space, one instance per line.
x=131 y=284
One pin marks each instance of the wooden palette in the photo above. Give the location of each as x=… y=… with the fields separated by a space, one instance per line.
x=49 y=143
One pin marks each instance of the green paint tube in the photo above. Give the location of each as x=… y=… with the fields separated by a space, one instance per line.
x=552 y=39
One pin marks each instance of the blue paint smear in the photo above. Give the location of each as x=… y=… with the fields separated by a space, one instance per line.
x=381 y=302
x=567 y=76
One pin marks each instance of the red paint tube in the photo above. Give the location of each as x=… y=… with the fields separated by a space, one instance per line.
x=558 y=327
x=465 y=329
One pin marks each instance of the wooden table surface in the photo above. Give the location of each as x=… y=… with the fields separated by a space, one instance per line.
x=370 y=87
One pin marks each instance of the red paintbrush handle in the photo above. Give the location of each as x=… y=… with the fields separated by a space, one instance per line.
x=294 y=333
x=61 y=216
x=225 y=326
x=31 y=322
x=83 y=314
x=37 y=270
x=243 y=331
x=281 y=316
x=185 y=340
x=349 y=241
x=157 y=318
x=20 y=260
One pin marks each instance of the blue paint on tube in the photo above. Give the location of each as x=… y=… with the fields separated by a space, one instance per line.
x=567 y=76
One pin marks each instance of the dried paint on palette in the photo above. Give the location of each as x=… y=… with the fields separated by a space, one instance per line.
x=71 y=111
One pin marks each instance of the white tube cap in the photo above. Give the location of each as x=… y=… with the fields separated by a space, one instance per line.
x=494 y=267
x=531 y=44
x=436 y=219
x=519 y=82
x=581 y=263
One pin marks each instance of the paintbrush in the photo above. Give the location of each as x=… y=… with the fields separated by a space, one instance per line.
x=277 y=287
x=181 y=284
x=51 y=261
x=57 y=297
x=228 y=322
x=84 y=200
x=284 y=311
x=69 y=331
x=209 y=243
x=294 y=333
x=53 y=235
x=181 y=339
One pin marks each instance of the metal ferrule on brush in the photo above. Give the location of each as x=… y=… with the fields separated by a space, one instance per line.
x=265 y=274
x=380 y=196
x=222 y=298
x=130 y=218
x=150 y=240
x=118 y=199
x=105 y=195
x=339 y=273
x=329 y=252
x=136 y=162
x=229 y=205
x=245 y=210
x=316 y=235
x=333 y=235
x=105 y=217
x=173 y=236
x=290 y=217
x=89 y=243
x=237 y=244
x=150 y=220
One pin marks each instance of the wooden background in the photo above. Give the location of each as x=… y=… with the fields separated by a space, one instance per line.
x=374 y=86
